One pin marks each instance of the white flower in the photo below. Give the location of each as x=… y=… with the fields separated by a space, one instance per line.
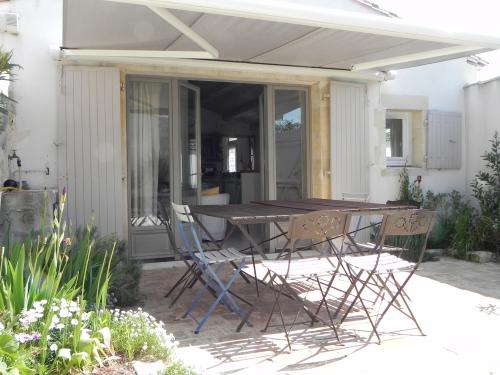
x=74 y=322
x=86 y=316
x=59 y=326
x=54 y=308
x=64 y=313
x=2 y=327
x=53 y=347
x=64 y=353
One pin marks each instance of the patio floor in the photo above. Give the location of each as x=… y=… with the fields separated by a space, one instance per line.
x=457 y=304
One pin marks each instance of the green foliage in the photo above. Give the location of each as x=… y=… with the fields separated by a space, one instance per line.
x=125 y=273
x=138 y=334
x=449 y=207
x=178 y=368
x=486 y=189
x=12 y=357
x=409 y=191
x=39 y=280
x=54 y=316
x=464 y=239
x=7 y=74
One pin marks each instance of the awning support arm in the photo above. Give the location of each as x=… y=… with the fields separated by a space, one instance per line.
x=186 y=30
x=413 y=57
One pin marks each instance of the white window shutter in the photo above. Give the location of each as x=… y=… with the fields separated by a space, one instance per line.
x=349 y=139
x=90 y=151
x=444 y=140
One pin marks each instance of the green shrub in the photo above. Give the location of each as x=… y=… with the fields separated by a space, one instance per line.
x=449 y=207
x=138 y=334
x=486 y=189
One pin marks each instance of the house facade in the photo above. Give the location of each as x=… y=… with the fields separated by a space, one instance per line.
x=134 y=104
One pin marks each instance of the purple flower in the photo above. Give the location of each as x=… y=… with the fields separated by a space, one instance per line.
x=23 y=337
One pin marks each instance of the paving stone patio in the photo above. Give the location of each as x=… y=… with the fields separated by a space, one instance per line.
x=457 y=304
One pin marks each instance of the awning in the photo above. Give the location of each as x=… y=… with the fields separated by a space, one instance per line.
x=285 y=33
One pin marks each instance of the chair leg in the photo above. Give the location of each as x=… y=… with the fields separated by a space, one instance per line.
x=252 y=308
x=399 y=293
x=325 y=294
x=183 y=289
x=178 y=282
x=346 y=296
x=358 y=296
x=222 y=294
x=277 y=293
x=198 y=296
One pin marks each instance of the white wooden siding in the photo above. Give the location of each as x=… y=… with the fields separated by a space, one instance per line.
x=349 y=139
x=90 y=151
x=444 y=140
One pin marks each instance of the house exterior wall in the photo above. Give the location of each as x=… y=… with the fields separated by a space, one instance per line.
x=36 y=140
x=442 y=85
x=34 y=136
x=481 y=122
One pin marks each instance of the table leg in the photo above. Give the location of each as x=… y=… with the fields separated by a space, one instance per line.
x=251 y=240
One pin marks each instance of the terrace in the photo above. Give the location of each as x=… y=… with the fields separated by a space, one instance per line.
x=457 y=303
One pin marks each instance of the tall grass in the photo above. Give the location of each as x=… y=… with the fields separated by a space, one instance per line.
x=48 y=268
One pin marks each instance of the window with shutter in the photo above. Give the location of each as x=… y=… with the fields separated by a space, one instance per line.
x=444 y=139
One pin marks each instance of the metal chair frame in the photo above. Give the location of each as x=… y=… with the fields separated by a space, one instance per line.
x=407 y=224
x=209 y=268
x=320 y=227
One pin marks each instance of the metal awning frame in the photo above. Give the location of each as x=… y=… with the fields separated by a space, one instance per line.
x=299 y=14
x=210 y=52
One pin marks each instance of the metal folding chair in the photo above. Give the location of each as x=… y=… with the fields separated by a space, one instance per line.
x=209 y=265
x=379 y=268
x=356 y=197
x=319 y=226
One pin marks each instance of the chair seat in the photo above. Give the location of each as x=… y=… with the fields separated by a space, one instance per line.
x=220 y=256
x=302 y=267
x=387 y=263
x=370 y=246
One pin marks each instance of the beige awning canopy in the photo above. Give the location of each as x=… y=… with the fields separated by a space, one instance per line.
x=270 y=32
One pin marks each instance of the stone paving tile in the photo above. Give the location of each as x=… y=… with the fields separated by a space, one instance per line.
x=452 y=303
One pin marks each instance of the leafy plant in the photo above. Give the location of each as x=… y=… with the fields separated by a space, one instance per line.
x=448 y=206
x=409 y=192
x=486 y=189
x=138 y=334
x=7 y=74
x=464 y=239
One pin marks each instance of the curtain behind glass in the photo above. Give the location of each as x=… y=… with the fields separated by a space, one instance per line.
x=144 y=150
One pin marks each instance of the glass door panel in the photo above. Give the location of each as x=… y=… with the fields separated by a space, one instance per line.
x=189 y=120
x=148 y=136
x=289 y=125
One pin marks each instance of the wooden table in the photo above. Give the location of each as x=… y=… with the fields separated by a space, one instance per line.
x=279 y=211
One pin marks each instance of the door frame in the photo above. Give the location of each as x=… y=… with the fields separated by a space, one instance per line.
x=143 y=230
x=267 y=157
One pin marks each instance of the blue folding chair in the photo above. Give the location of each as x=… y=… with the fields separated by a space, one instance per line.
x=209 y=264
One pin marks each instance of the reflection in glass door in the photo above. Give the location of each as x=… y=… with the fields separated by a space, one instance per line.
x=289 y=124
x=148 y=137
x=189 y=120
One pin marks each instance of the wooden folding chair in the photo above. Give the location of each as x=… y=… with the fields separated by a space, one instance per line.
x=320 y=227
x=379 y=268
x=209 y=265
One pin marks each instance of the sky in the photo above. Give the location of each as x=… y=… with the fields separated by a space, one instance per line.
x=477 y=16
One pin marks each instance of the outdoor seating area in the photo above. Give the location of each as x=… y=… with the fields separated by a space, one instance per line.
x=460 y=320
x=249 y=187
x=311 y=274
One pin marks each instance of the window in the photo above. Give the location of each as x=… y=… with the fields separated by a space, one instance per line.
x=398 y=138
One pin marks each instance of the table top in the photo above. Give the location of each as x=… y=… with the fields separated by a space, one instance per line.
x=280 y=210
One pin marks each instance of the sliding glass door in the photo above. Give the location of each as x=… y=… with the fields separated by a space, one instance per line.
x=164 y=153
x=289 y=125
x=149 y=178
x=189 y=121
